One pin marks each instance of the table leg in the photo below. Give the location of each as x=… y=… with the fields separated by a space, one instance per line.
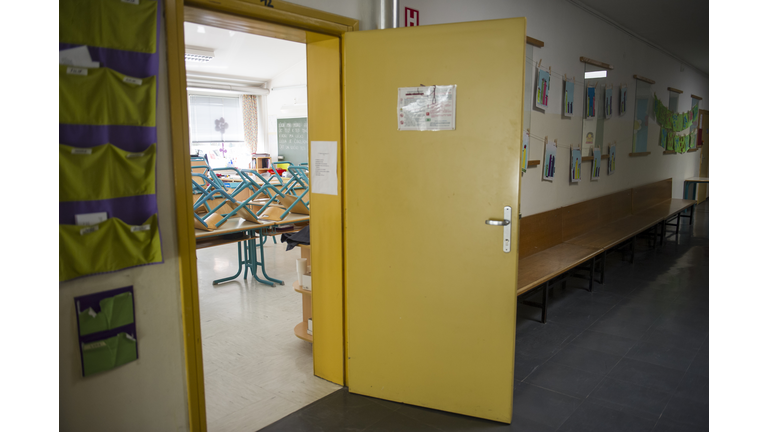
x=240 y=263
x=262 y=240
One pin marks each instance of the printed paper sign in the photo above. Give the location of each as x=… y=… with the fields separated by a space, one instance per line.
x=428 y=108
x=323 y=169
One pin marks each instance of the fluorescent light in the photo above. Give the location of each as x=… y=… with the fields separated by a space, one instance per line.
x=595 y=74
x=199 y=55
x=200 y=29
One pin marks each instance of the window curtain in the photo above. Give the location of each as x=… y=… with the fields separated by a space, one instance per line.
x=251 y=121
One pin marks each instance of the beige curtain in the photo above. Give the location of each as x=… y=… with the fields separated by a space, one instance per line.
x=251 y=121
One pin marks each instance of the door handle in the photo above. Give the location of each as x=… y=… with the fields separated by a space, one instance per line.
x=507 y=228
x=504 y=222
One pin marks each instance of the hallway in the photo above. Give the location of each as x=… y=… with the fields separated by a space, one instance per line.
x=633 y=355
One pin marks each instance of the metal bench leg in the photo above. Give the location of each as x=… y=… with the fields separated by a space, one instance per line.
x=591 y=273
x=632 y=256
x=544 y=303
x=602 y=269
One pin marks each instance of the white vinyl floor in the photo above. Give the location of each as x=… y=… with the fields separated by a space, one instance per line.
x=256 y=370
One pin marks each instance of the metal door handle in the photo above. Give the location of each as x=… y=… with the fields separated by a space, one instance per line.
x=507 y=238
x=504 y=222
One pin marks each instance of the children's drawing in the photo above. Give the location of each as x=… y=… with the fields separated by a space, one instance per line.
x=596 y=163
x=542 y=89
x=608 y=102
x=550 y=151
x=622 y=100
x=590 y=109
x=575 y=165
x=611 y=159
x=569 y=94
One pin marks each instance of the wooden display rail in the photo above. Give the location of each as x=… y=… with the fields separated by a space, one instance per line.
x=670 y=152
x=672 y=89
x=535 y=42
x=641 y=78
x=533 y=163
x=591 y=158
x=639 y=154
x=595 y=63
x=696 y=97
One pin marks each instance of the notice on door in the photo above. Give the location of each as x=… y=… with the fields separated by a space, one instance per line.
x=323 y=168
x=427 y=108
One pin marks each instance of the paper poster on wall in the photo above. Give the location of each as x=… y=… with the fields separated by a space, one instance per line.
x=542 y=88
x=590 y=108
x=428 y=108
x=622 y=100
x=324 y=178
x=663 y=133
x=611 y=159
x=640 y=131
x=596 y=163
x=526 y=149
x=550 y=151
x=608 y=108
x=575 y=165
x=106 y=327
x=569 y=93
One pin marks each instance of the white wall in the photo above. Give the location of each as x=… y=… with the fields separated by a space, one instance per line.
x=569 y=33
x=148 y=394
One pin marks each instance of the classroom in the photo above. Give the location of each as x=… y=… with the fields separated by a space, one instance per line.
x=508 y=202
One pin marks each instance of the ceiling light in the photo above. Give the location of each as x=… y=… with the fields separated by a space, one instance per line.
x=198 y=55
x=200 y=29
x=595 y=74
x=231 y=33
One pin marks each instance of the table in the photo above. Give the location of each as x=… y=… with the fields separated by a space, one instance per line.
x=695 y=182
x=246 y=235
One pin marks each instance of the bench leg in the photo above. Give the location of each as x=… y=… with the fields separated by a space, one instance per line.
x=632 y=246
x=677 y=228
x=591 y=273
x=602 y=268
x=544 y=303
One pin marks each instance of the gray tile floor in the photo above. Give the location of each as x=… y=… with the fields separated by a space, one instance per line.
x=633 y=355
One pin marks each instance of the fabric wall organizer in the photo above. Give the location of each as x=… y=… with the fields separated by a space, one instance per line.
x=108 y=137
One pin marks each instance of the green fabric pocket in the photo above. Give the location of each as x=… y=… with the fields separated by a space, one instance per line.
x=102 y=96
x=108 y=354
x=105 y=172
x=115 y=312
x=113 y=24
x=109 y=246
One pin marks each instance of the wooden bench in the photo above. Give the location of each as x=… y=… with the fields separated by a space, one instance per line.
x=557 y=244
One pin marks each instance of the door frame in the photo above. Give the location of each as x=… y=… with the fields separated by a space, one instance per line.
x=273 y=18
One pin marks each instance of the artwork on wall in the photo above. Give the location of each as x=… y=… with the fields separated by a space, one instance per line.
x=643 y=110
x=596 y=163
x=622 y=100
x=608 y=108
x=569 y=94
x=542 y=88
x=575 y=165
x=663 y=134
x=526 y=149
x=590 y=109
x=672 y=122
x=550 y=151
x=611 y=159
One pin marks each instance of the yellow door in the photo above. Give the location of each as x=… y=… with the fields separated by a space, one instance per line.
x=430 y=293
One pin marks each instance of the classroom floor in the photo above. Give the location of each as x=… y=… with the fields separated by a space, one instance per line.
x=633 y=355
x=256 y=370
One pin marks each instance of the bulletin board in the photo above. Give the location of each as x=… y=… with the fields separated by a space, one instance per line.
x=292 y=140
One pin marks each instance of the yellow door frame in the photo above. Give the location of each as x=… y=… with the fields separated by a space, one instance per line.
x=322 y=32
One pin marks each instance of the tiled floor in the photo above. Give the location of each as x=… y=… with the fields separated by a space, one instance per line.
x=256 y=370
x=633 y=355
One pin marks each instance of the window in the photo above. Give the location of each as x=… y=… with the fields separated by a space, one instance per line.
x=224 y=149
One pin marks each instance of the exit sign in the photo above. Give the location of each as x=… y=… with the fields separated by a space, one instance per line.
x=411 y=17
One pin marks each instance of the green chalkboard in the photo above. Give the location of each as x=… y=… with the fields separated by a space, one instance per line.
x=292 y=141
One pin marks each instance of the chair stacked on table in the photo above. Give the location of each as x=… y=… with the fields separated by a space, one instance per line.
x=573 y=240
x=108 y=138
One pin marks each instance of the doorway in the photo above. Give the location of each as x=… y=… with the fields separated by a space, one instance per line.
x=258 y=368
x=324 y=114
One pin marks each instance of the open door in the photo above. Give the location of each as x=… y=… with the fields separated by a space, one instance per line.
x=431 y=292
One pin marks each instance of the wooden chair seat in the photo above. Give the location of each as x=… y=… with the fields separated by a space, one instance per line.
x=536 y=269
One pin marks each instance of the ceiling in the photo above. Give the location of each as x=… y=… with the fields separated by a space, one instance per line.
x=677 y=26
x=242 y=55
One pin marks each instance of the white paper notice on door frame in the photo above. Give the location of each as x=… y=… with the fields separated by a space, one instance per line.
x=427 y=108
x=323 y=169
